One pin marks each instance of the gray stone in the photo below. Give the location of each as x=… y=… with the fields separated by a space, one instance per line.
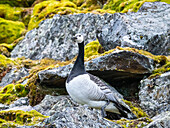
x=3 y=106
x=13 y=76
x=120 y=69
x=148 y=29
x=154 y=94
x=64 y=112
x=52 y=38
x=160 y=121
x=20 y=102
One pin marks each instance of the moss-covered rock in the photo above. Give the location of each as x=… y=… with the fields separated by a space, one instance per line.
x=124 y=6
x=18 y=3
x=10 y=13
x=11 y=92
x=160 y=70
x=136 y=110
x=93 y=48
x=14 y=118
x=10 y=30
x=5 y=65
x=48 y=9
x=6 y=62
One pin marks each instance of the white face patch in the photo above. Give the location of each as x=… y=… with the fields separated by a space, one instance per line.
x=79 y=37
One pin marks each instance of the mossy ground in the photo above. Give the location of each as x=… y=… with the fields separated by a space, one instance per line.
x=18 y=3
x=10 y=30
x=11 y=92
x=16 y=118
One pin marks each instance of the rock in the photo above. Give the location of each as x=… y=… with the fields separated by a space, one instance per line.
x=118 y=68
x=20 y=102
x=66 y=113
x=160 y=121
x=52 y=38
x=3 y=107
x=147 y=29
x=154 y=94
x=13 y=76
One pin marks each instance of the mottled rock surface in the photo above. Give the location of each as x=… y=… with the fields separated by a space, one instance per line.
x=13 y=76
x=148 y=30
x=53 y=37
x=160 y=121
x=154 y=94
x=64 y=112
x=119 y=68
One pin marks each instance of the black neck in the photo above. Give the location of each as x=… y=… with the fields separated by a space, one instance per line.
x=78 y=67
x=79 y=64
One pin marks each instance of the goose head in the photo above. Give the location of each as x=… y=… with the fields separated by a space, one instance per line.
x=78 y=38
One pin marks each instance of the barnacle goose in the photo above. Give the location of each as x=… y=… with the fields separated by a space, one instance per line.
x=89 y=90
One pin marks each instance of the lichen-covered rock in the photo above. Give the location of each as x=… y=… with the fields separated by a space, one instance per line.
x=10 y=30
x=64 y=112
x=148 y=29
x=154 y=94
x=160 y=121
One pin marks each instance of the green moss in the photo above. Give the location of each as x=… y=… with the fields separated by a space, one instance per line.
x=11 y=92
x=159 y=71
x=10 y=13
x=48 y=9
x=10 y=30
x=5 y=62
x=19 y=118
x=4 y=51
x=92 y=48
x=138 y=123
x=18 y=3
x=136 y=110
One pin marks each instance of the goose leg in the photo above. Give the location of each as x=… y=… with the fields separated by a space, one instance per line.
x=103 y=112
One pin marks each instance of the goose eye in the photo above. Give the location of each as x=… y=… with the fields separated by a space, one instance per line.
x=79 y=35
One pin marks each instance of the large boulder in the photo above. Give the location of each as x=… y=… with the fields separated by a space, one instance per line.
x=52 y=38
x=147 y=29
x=154 y=94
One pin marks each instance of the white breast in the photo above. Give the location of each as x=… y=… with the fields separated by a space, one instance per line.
x=84 y=91
x=78 y=88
